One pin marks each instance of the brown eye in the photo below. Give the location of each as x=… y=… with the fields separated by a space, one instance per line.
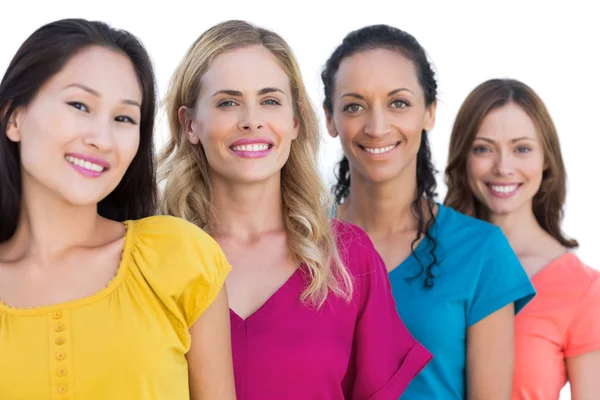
x=352 y=108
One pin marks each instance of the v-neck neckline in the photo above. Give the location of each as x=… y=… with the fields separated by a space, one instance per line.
x=267 y=304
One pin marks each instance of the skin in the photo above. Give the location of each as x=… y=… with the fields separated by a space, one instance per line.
x=91 y=108
x=247 y=103
x=387 y=108
x=508 y=150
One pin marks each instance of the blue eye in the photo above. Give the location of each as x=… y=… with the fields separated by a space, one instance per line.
x=271 y=102
x=480 y=149
x=523 y=149
x=226 y=103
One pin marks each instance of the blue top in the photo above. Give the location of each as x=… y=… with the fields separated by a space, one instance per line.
x=477 y=274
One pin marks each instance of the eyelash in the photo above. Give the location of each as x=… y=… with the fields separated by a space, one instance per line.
x=231 y=103
x=82 y=107
x=483 y=149
x=402 y=103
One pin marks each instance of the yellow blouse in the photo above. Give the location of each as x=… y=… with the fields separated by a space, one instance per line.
x=129 y=340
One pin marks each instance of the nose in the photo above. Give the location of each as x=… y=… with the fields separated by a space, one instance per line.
x=100 y=135
x=377 y=125
x=504 y=163
x=250 y=120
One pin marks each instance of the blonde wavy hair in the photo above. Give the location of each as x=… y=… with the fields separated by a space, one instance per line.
x=184 y=169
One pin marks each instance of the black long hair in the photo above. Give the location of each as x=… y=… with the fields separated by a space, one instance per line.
x=387 y=37
x=38 y=59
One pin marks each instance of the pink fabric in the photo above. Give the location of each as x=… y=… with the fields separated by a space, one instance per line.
x=359 y=350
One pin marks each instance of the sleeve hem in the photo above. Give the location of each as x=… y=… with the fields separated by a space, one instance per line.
x=194 y=314
x=522 y=295
x=414 y=362
x=580 y=350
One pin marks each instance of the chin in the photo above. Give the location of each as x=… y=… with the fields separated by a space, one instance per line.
x=502 y=207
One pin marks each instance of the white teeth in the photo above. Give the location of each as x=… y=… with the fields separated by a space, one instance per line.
x=380 y=150
x=85 y=164
x=251 y=147
x=504 y=188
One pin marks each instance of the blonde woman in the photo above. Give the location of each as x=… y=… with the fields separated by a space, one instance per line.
x=312 y=314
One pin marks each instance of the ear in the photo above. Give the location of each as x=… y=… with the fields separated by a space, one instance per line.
x=429 y=122
x=184 y=114
x=330 y=124
x=14 y=122
x=296 y=128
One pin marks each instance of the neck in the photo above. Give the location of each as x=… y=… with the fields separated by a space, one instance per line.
x=48 y=226
x=246 y=210
x=382 y=207
x=520 y=228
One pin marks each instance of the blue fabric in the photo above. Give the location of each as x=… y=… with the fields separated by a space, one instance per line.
x=477 y=274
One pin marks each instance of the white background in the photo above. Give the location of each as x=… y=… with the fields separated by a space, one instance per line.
x=552 y=48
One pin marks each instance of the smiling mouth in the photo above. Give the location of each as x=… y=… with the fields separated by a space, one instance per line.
x=503 y=190
x=380 y=150
x=252 y=147
x=87 y=165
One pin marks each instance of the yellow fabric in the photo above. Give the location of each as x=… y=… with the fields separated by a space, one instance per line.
x=127 y=341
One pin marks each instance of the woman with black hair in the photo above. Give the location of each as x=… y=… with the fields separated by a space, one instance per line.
x=98 y=298
x=456 y=281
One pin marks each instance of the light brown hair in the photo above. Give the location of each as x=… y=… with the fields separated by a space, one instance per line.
x=548 y=202
x=306 y=201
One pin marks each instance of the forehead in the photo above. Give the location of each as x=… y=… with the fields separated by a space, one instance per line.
x=508 y=122
x=106 y=71
x=376 y=70
x=248 y=68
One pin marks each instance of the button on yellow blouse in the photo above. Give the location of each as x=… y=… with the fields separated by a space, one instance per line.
x=127 y=341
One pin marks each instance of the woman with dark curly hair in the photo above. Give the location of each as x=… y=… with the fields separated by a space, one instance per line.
x=456 y=281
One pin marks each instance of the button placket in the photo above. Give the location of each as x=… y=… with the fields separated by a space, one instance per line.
x=60 y=355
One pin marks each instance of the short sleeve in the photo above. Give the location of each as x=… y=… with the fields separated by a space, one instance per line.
x=387 y=357
x=184 y=266
x=583 y=334
x=500 y=280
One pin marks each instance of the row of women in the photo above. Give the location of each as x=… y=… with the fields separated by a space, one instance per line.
x=243 y=277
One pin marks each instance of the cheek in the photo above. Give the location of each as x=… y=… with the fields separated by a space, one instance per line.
x=131 y=147
x=533 y=168
x=347 y=129
x=477 y=167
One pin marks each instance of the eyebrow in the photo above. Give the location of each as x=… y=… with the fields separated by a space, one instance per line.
x=97 y=94
x=237 y=93
x=512 y=140
x=391 y=93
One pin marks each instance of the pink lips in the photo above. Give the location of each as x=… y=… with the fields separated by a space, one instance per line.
x=247 y=147
x=85 y=171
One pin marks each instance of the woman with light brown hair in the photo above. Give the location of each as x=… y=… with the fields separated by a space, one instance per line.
x=505 y=166
x=312 y=314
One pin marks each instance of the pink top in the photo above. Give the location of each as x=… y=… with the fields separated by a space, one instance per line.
x=562 y=321
x=359 y=350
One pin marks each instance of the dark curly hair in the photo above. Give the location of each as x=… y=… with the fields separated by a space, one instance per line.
x=391 y=38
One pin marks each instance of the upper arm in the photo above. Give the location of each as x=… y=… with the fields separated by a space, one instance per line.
x=490 y=356
x=584 y=376
x=209 y=358
x=582 y=349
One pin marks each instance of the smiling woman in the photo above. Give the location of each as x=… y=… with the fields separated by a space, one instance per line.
x=449 y=273
x=88 y=278
x=312 y=316
x=505 y=166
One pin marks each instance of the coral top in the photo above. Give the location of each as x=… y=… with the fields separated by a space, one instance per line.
x=562 y=321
